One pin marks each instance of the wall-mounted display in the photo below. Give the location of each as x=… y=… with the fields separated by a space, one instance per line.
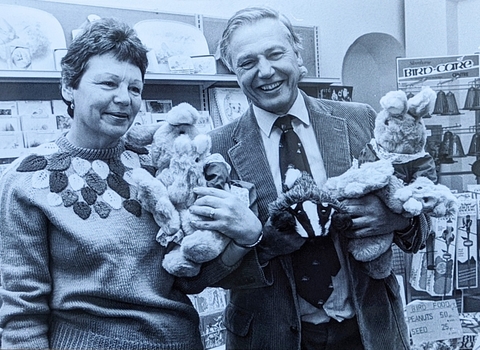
x=166 y=39
x=28 y=38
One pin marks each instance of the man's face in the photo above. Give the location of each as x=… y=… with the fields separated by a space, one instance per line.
x=266 y=65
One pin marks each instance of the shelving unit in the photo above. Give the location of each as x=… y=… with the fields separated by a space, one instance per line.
x=24 y=85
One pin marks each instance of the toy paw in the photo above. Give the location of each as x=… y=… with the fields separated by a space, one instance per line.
x=203 y=245
x=424 y=196
x=357 y=182
x=370 y=248
x=175 y=263
x=153 y=196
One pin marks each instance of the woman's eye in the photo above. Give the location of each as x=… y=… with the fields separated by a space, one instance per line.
x=136 y=90
x=109 y=83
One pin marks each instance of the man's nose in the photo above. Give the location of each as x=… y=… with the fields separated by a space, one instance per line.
x=265 y=68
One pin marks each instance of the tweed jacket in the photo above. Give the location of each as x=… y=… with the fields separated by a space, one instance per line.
x=263 y=312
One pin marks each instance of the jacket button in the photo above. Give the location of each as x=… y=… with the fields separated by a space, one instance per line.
x=294 y=329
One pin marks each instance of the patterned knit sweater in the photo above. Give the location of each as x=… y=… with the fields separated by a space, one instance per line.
x=80 y=267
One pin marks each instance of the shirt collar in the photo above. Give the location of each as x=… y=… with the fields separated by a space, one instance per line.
x=265 y=119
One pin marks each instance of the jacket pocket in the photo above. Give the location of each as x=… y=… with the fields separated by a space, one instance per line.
x=238 y=320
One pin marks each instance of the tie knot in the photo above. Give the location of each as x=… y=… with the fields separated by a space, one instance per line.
x=284 y=123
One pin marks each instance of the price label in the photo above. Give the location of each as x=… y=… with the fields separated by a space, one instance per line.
x=433 y=320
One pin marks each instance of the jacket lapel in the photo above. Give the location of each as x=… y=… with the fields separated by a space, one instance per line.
x=332 y=136
x=250 y=161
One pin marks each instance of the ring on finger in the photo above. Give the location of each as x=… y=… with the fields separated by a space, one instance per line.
x=212 y=214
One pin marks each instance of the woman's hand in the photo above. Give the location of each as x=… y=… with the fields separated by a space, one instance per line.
x=224 y=212
x=371 y=217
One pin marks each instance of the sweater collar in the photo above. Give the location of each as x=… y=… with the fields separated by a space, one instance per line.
x=90 y=153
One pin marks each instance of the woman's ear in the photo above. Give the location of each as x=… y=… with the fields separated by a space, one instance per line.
x=67 y=93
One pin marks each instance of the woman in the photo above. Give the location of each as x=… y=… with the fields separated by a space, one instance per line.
x=80 y=267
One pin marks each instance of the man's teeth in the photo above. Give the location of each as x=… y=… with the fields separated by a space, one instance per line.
x=270 y=86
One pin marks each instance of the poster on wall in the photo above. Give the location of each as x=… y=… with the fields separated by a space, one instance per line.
x=438 y=279
x=466 y=248
x=210 y=304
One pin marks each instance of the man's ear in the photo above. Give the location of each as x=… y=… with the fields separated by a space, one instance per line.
x=302 y=68
x=299 y=59
x=67 y=93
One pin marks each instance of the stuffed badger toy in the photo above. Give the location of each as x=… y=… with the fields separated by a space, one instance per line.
x=393 y=166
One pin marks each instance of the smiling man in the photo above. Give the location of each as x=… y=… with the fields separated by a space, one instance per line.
x=273 y=303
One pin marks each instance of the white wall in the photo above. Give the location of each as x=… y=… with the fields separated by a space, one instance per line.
x=340 y=22
x=442 y=27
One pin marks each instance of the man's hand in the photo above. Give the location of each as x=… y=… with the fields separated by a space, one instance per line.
x=371 y=217
x=222 y=211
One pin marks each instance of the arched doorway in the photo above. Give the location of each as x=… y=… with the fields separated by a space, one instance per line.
x=370 y=67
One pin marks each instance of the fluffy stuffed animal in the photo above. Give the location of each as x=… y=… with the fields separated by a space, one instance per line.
x=305 y=211
x=180 y=155
x=395 y=166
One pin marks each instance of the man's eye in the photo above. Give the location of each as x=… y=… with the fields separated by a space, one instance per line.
x=276 y=55
x=247 y=65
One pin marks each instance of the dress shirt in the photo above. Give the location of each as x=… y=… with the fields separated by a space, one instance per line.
x=338 y=306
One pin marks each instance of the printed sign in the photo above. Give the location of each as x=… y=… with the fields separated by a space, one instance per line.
x=433 y=320
x=447 y=67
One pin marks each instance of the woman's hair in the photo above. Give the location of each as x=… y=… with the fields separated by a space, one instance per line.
x=252 y=15
x=106 y=35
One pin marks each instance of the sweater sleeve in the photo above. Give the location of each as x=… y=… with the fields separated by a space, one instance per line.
x=25 y=278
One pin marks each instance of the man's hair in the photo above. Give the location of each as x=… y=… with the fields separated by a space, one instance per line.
x=252 y=15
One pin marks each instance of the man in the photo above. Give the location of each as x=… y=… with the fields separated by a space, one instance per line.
x=267 y=308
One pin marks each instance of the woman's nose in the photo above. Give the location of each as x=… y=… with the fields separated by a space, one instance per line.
x=122 y=96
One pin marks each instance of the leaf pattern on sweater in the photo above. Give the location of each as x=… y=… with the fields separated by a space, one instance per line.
x=86 y=186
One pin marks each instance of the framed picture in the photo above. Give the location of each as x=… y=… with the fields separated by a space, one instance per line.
x=20 y=58
x=336 y=93
x=38 y=108
x=35 y=138
x=9 y=124
x=8 y=108
x=10 y=140
x=204 y=123
x=64 y=122
x=143 y=117
x=228 y=104
x=39 y=122
x=159 y=106
x=205 y=64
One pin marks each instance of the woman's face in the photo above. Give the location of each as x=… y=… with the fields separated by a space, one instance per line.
x=106 y=102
